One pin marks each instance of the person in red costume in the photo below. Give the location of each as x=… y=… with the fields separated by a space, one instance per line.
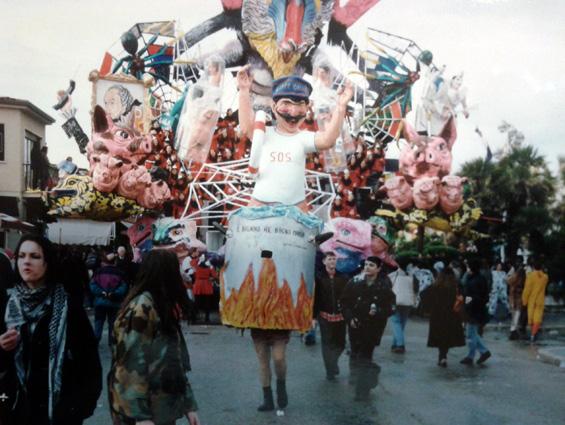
x=203 y=289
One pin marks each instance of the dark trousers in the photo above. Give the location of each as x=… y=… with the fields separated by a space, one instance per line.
x=333 y=343
x=101 y=313
x=362 y=368
x=205 y=303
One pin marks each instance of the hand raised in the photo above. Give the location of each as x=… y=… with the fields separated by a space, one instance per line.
x=345 y=94
x=244 y=78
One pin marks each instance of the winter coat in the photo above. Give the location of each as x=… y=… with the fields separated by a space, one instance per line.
x=446 y=329
x=148 y=376
x=108 y=286
x=534 y=295
x=404 y=288
x=356 y=303
x=515 y=289
x=477 y=289
x=81 y=374
x=328 y=292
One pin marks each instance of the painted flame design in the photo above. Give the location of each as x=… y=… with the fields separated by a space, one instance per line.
x=267 y=306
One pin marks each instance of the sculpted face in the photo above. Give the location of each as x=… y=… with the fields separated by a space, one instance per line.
x=399 y=192
x=106 y=172
x=426 y=192
x=154 y=195
x=121 y=142
x=177 y=235
x=425 y=156
x=451 y=193
x=133 y=182
x=290 y=115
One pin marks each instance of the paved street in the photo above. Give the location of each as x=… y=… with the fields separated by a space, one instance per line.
x=515 y=387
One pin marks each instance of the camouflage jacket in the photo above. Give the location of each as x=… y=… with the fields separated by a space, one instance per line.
x=148 y=377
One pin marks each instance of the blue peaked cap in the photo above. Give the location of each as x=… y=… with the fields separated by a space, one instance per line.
x=292 y=87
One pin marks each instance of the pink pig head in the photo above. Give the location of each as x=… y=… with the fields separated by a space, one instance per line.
x=154 y=195
x=106 y=172
x=451 y=193
x=133 y=182
x=399 y=192
x=425 y=156
x=426 y=192
x=124 y=143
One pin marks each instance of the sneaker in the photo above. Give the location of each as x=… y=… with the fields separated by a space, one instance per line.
x=330 y=377
x=442 y=363
x=514 y=336
x=467 y=361
x=484 y=357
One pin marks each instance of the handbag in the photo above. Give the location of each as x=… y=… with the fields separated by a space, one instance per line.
x=458 y=304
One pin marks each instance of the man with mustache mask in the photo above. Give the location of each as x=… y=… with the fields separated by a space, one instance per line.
x=278 y=154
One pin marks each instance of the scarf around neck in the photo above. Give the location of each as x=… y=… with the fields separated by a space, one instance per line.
x=26 y=306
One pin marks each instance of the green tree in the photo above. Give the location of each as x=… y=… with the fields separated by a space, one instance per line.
x=519 y=189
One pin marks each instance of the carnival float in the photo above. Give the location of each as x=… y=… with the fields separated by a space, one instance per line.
x=169 y=154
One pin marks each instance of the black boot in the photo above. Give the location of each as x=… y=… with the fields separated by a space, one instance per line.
x=282 y=397
x=268 y=403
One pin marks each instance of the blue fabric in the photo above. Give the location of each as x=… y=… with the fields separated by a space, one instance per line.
x=267 y=211
x=101 y=313
x=398 y=321
x=293 y=87
x=474 y=340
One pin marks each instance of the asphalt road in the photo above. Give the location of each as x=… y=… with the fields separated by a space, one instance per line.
x=514 y=387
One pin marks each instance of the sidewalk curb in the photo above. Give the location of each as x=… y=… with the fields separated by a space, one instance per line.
x=554 y=356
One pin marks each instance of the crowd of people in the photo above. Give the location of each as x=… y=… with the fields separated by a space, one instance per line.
x=44 y=313
x=460 y=298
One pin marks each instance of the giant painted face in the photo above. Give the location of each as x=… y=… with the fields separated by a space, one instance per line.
x=351 y=242
x=399 y=192
x=426 y=192
x=290 y=114
x=451 y=193
x=178 y=236
x=425 y=156
x=121 y=142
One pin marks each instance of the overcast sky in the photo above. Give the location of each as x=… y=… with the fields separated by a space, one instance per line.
x=510 y=50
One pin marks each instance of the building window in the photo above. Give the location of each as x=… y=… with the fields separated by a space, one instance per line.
x=32 y=145
x=2 y=144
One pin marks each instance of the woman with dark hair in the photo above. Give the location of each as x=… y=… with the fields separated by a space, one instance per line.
x=48 y=352
x=446 y=329
x=148 y=381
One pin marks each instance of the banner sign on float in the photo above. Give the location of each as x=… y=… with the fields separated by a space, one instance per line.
x=268 y=278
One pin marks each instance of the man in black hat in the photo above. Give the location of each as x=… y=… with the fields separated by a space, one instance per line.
x=278 y=156
x=367 y=302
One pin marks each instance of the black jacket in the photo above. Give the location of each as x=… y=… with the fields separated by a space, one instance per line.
x=328 y=292
x=356 y=303
x=477 y=288
x=81 y=376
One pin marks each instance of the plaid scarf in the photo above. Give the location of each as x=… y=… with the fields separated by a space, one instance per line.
x=27 y=306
